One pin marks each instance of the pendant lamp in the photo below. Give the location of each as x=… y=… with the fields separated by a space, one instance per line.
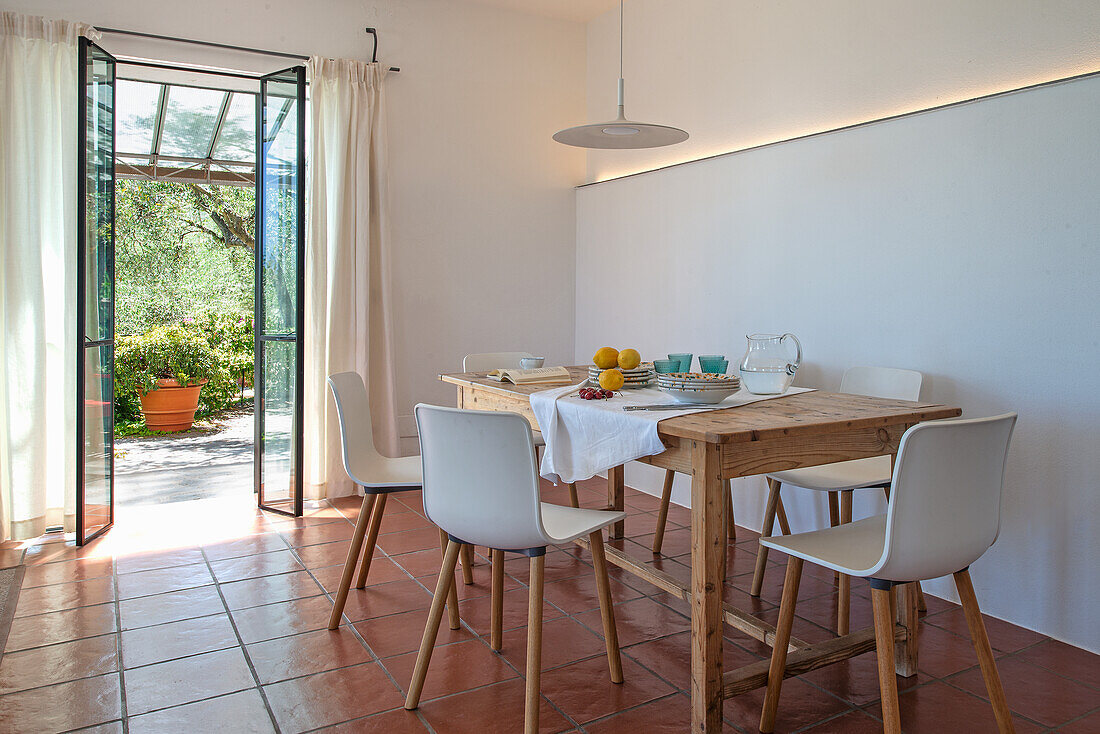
x=621 y=133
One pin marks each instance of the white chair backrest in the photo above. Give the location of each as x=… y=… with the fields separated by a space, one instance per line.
x=356 y=434
x=945 y=499
x=489 y=361
x=882 y=382
x=480 y=480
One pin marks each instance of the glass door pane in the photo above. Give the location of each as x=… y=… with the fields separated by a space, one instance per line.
x=95 y=293
x=280 y=273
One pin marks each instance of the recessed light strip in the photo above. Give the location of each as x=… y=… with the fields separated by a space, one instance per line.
x=843 y=128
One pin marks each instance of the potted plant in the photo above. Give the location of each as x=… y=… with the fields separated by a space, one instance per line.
x=167 y=367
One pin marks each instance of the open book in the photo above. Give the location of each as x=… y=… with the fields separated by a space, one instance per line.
x=541 y=375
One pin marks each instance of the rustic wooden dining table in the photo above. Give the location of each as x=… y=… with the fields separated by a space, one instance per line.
x=803 y=429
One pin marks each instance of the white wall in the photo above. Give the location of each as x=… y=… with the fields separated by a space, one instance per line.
x=832 y=247
x=961 y=243
x=735 y=73
x=481 y=201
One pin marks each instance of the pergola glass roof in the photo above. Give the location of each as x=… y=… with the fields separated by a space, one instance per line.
x=172 y=132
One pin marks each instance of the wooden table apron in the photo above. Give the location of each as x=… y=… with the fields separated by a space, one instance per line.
x=800 y=430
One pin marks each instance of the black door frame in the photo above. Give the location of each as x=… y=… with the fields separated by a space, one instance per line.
x=82 y=343
x=260 y=338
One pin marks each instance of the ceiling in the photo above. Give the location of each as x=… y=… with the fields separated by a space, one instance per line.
x=580 y=11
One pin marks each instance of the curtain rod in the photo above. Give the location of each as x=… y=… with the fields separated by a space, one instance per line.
x=210 y=44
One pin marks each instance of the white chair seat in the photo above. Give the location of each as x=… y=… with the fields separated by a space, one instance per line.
x=564 y=524
x=404 y=471
x=852 y=548
x=839 y=476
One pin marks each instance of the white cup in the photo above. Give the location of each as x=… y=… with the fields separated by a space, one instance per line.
x=530 y=363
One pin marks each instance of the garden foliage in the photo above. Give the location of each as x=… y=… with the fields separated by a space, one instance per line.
x=184 y=267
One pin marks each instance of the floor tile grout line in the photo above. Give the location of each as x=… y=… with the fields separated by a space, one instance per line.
x=355 y=632
x=118 y=649
x=44 y=686
x=948 y=680
x=204 y=699
x=675 y=692
x=244 y=651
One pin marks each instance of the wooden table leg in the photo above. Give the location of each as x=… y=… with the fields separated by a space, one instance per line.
x=844 y=593
x=616 y=493
x=905 y=651
x=708 y=550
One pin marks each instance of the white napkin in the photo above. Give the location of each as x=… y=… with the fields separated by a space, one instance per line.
x=586 y=437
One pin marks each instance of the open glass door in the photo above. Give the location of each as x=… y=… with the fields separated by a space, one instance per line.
x=280 y=273
x=95 y=384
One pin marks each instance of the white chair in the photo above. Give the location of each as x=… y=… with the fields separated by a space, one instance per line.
x=488 y=361
x=943 y=514
x=376 y=474
x=842 y=477
x=481 y=486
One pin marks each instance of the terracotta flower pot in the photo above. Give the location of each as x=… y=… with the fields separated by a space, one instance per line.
x=171 y=407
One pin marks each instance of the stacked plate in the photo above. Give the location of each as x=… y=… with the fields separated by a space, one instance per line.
x=698 y=387
x=641 y=376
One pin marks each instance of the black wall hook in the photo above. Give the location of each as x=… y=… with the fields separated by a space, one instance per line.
x=374 y=49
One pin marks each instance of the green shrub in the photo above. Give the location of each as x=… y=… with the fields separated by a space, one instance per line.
x=212 y=347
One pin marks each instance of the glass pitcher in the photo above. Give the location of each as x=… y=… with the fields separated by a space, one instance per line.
x=766 y=368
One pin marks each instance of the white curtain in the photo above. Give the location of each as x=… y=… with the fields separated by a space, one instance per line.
x=38 y=98
x=347 y=324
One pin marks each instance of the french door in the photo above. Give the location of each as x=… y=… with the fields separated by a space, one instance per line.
x=95 y=287
x=280 y=273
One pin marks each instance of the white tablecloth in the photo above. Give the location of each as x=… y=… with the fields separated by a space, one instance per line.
x=586 y=437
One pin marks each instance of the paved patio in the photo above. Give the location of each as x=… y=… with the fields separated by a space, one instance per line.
x=212 y=460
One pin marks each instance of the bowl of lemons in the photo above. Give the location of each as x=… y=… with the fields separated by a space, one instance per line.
x=615 y=370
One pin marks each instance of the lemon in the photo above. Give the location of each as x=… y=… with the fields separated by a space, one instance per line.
x=629 y=359
x=606 y=358
x=611 y=380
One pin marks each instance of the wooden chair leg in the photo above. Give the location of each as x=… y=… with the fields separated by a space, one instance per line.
x=607 y=610
x=431 y=629
x=467 y=564
x=884 y=645
x=834 y=510
x=980 y=640
x=574 y=501
x=353 y=558
x=765 y=531
x=372 y=539
x=731 y=526
x=662 y=514
x=844 y=593
x=778 y=667
x=496 y=621
x=453 y=617
x=834 y=520
x=534 y=647
x=781 y=515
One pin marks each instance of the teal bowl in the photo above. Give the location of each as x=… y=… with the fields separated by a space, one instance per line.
x=665 y=366
x=684 y=360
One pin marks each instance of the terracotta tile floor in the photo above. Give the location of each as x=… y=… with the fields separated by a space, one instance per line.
x=209 y=615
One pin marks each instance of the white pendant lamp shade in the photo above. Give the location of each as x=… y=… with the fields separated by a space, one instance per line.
x=621 y=133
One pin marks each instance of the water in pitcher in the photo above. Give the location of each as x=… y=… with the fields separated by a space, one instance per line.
x=766 y=382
